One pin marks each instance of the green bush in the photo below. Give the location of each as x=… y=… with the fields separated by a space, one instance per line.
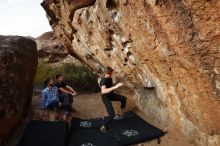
x=81 y=78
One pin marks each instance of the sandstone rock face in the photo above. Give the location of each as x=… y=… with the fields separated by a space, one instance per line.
x=167 y=52
x=52 y=51
x=49 y=47
x=18 y=64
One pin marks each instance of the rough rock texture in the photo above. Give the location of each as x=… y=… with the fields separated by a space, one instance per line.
x=18 y=64
x=167 y=52
x=52 y=51
x=49 y=47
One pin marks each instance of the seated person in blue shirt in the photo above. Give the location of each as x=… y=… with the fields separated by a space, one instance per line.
x=50 y=98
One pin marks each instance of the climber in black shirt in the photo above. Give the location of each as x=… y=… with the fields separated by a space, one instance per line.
x=108 y=95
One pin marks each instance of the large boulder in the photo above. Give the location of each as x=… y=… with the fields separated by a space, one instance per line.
x=167 y=52
x=18 y=64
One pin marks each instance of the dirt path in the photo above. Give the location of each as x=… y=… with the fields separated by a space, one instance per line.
x=91 y=106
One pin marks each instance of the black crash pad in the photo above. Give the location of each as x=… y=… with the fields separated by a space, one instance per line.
x=133 y=130
x=44 y=133
x=126 y=130
x=96 y=122
x=91 y=137
x=86 y=123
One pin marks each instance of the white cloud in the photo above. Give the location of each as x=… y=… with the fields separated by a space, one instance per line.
x=22 y=17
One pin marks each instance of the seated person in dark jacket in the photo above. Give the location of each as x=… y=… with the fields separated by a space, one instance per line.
x=50 y=99
x=108 y=95
x=66 y=92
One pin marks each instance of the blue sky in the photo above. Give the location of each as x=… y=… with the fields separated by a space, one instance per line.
x=23 y=17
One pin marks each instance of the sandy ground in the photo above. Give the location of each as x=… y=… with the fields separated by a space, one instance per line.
x=91 y=106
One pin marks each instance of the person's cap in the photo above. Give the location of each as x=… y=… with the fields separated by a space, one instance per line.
x=58 y=75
